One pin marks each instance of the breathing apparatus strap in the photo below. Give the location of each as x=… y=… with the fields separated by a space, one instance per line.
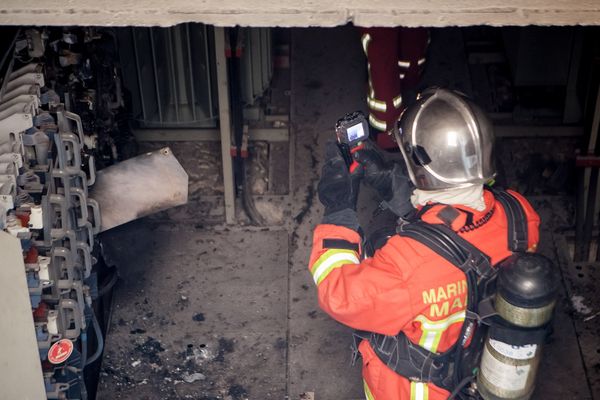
x=415 y=362
x=517 y=221
x=449 y=245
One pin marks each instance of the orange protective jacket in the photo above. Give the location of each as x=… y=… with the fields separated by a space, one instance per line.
x=407 y=287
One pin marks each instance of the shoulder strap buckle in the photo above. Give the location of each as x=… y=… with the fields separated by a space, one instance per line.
x=479 y=264
x=520 y=244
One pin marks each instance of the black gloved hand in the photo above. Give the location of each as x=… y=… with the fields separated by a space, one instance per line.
x=377 y=172
x=401 y=189
x=390 y=180
x=338 y=188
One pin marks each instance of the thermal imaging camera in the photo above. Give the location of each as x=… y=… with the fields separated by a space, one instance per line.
x=351 y=130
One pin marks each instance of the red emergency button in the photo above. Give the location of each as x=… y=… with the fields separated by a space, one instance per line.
x=60 y=351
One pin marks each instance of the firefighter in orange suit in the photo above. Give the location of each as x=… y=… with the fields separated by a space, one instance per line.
x=405 y=288
x=395 y=59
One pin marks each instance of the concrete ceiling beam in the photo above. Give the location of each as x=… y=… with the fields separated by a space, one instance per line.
x=300 y=13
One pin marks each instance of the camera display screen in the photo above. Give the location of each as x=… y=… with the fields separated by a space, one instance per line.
x=356 y=132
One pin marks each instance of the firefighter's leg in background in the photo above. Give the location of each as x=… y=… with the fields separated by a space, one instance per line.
x=395 y=58
x=412 y=58
x=381 y=47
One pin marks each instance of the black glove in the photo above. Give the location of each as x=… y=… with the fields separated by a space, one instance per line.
x=338 y=189
x=377 y=172
x=401 y=189
x=390 y=180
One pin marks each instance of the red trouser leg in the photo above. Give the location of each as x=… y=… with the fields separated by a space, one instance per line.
x=381 y=48
x=388 y=72
x=413 y=46
x=381 y=383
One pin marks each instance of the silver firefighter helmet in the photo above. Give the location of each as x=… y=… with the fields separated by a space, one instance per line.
x=447 y=141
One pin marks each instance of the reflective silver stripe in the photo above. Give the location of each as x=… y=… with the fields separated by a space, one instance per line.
x=366 y=38
x=433 y=330
x=419 y=391
x=397 y=102
x=377 y=124
x=404 y=64
x=442 y=324
x=376 y=105
x=368 y=394
x=421 y=61
x=402 y=76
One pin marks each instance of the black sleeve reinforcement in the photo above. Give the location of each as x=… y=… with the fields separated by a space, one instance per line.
x=339 y=244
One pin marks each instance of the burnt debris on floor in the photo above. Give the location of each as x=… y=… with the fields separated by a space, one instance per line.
x=193 y=318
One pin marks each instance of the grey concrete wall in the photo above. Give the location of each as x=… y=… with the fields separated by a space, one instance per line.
x=300 y=13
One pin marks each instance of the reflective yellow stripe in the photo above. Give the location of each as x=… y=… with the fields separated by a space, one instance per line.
x=377 y=124
x=376 y=105
x=404 y=64
x=419 y=391
x=397 y=101
x=330 y=260
x=430 y=339
x=366 y=38
x=433 y=330
x=421 y=61
x=402 y=76
x=368 y=393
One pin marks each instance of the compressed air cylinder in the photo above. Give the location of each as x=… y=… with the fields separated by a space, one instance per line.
x=525 y=299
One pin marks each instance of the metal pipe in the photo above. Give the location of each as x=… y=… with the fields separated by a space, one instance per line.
x=224 y=124
x=99 y=340
x=155 y=72
x=192 y=84
x=583 y=243
x=138 y=73
x=578 y=254
x=172 y=80
x=208 y=77
x=588 y=225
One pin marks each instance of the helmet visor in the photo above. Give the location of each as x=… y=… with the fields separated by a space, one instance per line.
x=450 y=134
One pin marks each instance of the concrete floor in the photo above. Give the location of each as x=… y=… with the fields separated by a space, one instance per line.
x=216 y=312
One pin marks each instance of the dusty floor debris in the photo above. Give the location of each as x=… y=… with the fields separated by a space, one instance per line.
x=194 y=318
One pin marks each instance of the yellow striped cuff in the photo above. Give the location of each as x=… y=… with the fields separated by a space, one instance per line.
x=376 y=105
x=330 y=260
